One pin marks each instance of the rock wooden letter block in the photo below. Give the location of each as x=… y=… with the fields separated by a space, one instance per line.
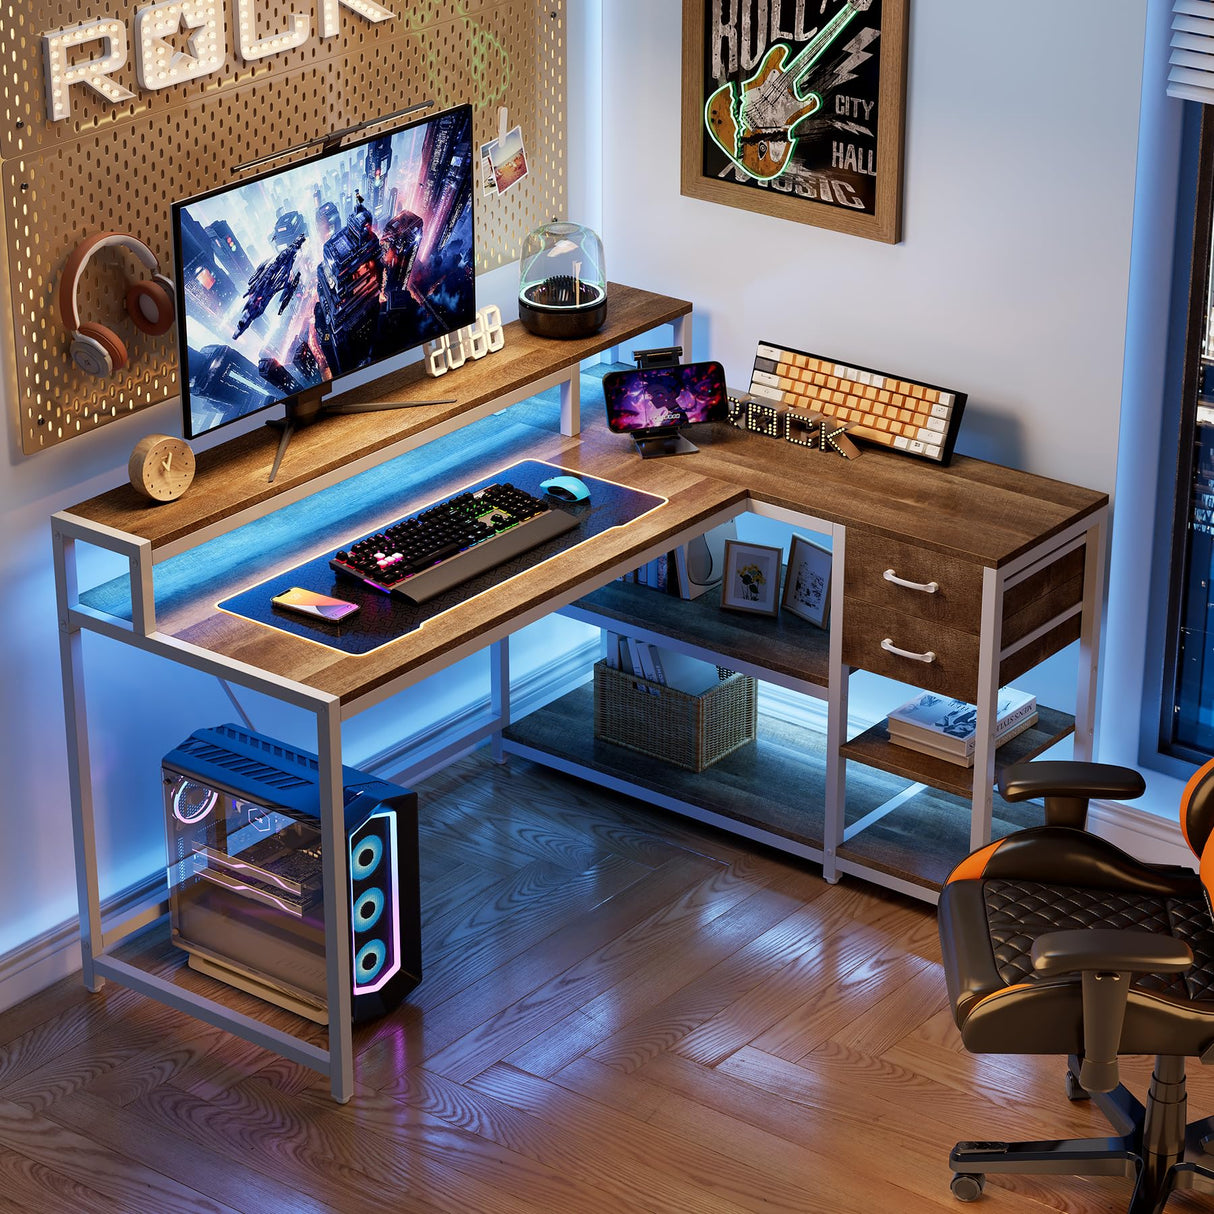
x=818 y=431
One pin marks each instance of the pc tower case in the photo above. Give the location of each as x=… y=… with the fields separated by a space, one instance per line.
x=242 y=813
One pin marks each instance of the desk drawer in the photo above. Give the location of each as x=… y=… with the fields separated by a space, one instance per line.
x=953 y=670
x=956 y=601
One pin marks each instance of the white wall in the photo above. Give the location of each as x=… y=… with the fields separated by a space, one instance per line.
x=1012 y=280
x=1146 y=463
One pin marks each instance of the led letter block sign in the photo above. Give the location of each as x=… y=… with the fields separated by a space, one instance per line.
x=330 y=19
x=61 y=75
x=158 y=64
x=250 y=46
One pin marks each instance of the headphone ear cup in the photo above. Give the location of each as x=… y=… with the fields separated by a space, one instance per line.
x=98 y=350
x=150 y=306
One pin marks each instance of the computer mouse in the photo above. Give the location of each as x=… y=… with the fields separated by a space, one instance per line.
x=565 y=489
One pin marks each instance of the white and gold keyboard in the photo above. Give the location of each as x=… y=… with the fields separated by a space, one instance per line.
x=912 y=418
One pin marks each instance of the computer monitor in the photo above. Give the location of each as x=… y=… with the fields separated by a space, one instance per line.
x=652 y=403
x=291 y=279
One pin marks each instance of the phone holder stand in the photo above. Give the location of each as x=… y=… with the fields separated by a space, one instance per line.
x=651 y=444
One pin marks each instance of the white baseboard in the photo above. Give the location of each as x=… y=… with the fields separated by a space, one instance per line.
x=55 y=954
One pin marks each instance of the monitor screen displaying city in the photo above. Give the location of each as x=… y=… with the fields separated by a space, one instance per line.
x=306 y=273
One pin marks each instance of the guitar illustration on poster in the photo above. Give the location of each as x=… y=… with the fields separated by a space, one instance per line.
x=755 y=124
x=791 y=98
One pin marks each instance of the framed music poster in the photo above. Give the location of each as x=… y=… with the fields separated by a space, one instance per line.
x=795 y=108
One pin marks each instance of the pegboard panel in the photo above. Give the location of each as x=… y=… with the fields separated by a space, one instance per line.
x=121 y=166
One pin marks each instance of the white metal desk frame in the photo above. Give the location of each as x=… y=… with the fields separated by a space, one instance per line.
x=98 y=939
x=1088 y=534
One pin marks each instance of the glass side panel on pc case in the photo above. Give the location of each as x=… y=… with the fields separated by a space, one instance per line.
x=291 y=279
x=245 y=873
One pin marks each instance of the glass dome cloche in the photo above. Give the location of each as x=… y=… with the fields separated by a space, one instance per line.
x=562 y=281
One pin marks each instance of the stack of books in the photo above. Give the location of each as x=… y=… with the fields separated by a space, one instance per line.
x=655 y=574
x=937 y=725
x=664 y=667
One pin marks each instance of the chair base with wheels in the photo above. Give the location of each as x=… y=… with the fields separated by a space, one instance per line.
x=1055 y=941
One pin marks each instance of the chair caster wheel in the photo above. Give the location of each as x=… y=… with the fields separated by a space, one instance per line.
x=967 y=1186
x=1074 y=1091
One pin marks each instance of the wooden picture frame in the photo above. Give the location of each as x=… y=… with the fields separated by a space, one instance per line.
x=752 y=578
x=841 y=166
x=807 y=582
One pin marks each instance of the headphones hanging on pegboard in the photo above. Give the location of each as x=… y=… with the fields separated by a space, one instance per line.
x=96 y=349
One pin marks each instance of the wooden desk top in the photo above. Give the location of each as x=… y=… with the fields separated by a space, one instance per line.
x=976 y=511
x=231 y=478
x=972 y=509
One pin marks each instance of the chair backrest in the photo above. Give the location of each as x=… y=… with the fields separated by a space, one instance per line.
x=1197 y=822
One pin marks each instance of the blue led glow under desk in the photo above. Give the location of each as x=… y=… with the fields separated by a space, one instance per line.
x=232 y=528
x=384 y=618
x=992 y=568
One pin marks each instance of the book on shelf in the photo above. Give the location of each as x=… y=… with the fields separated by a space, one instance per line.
x=645 y=657
x=919 y=744
x=655 y=574
x=663 y=667
x=947 y=727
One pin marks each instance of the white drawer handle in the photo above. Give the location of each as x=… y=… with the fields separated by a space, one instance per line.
x=926 y=587
x=890 y=647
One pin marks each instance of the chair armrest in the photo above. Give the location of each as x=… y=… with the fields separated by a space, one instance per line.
x=1107 y=959
x=1067 y=785
x=1109 y=949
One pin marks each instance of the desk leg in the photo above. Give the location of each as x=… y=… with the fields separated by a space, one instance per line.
x=335 y=873
x=836 y=717
x=989 y=647
x=571 y=403
x=681 y=332
x=1089 y=643
x=499 y=694
x=79 y=767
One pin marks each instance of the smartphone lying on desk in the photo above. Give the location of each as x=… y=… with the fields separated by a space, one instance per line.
x=318 y=606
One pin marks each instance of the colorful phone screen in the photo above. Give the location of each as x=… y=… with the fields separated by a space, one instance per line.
x=665 y=398
x=319 y=606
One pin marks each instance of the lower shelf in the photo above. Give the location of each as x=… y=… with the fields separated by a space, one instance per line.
x=874 y=747
x=920 y=835
x=775 y=787
x=898 y=833
x=151 y=950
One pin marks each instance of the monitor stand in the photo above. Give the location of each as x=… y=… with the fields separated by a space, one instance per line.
x=310 y=405
x=654 y=443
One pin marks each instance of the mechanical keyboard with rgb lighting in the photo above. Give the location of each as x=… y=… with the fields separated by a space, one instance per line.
x=426 y=553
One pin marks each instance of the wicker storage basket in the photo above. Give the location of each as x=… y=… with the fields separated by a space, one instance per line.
x=686 y=730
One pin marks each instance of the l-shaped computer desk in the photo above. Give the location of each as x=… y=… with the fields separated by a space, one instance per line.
x=955 y=579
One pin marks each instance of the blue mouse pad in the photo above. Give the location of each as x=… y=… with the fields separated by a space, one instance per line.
x=385 y=617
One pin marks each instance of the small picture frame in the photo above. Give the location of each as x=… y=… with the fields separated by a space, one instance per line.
x=807 y=584
x=752 y=578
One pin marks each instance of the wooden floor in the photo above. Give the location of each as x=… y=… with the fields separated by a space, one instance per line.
x=621 y=1012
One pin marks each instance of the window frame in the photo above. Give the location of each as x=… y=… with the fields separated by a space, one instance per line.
x=1191 y=299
